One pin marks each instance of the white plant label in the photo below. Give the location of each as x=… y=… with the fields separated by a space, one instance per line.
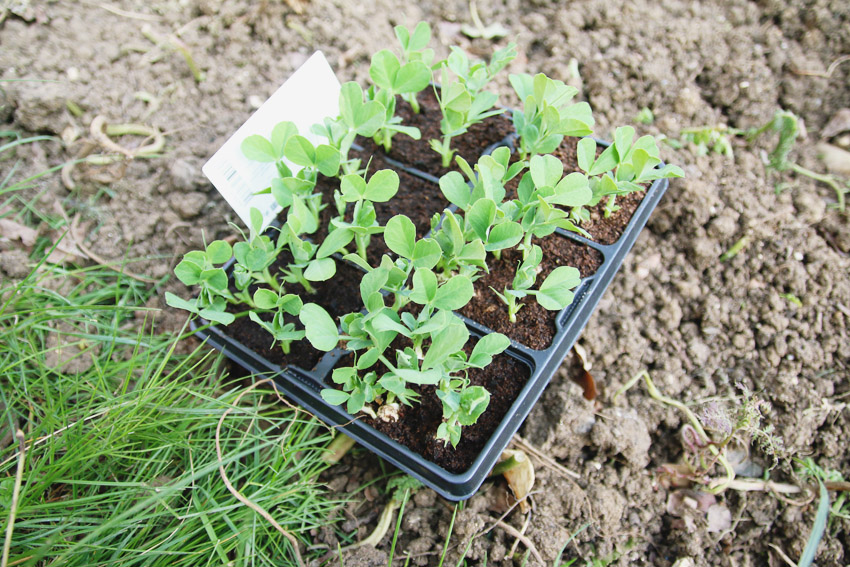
x=306 y=98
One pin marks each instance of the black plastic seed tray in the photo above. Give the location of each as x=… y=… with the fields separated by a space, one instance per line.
x=303 y=386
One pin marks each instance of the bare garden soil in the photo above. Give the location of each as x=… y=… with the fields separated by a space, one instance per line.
x=698 y=326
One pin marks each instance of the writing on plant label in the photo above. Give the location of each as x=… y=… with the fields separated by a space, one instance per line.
x=306 y=98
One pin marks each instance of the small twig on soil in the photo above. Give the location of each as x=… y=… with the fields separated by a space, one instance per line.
x=238 y=495
x=178 y=46
x=77 y=241
x=512 y=531
x=522 y=531
x=830 y=70
x=756 y=485
x=384 y=522
x=782 y=555
x=544 y=458
x=16 y=493
x=124 y=13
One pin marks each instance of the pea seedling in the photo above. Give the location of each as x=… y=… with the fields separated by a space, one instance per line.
x=463 y=101
x=554 y=294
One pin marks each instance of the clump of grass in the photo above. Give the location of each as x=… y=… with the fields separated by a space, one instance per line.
x=119 y=462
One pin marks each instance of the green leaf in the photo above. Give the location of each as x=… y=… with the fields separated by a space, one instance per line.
x=320 y=270
x=265 y=298
x=523 y=85
x=623 y=137
x=334 y=397
x=481 y=216
x=445 y=343
x=546 y=170
x=301 y=151
x=454 y=294
x=606 y=161
x=371 y=283
x=281 y=134
x=554 y=293
x=257 y=148
x=400 y=236
x=384 y=68
x=368 y=358
x=426 y=253
x=290 y=303
x=188 y=272
x=335 y=242
x=504 y=235
x=412 y=77
x=586 y=153
x=256 y=220
x=320 y=328
x=215 y=278
x=219 y=251
x=353 y=187
x=426 y=378
x=572 y=191
x=473 y=402
x=220 y=317
x=382 y=186
x=424 y=286
x=486 y=348
x=180 y=303
x=327 y=160
x=366 y=118
x=455 y=189
x=387 y=320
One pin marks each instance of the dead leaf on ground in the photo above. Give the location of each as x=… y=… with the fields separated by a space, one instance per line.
x=579 y=372
x=837 y=160
x=839 y=123
x=64 y=250
x=520 y=477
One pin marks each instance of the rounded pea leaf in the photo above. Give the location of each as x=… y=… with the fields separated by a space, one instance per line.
x=400 y=236
x=504 y=235
x=455 y=189
x=334 y=397
x=219 y=251
x=301 y=151
x=188 y=272
x=384 y=68
x=180 y=303
x=320 y=270
x=382 y=186
x=215 y=278
x=320 y=328
x=426 y=253
x=546 y=170
x=555 y=291
x=265 y=298
x=487 y=347
x=454 y=294
x=257 y=148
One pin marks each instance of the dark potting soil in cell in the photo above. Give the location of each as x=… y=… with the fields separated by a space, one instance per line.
x=535 y=326
x=418 y=153
x=417 y=426
x=339 y=296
